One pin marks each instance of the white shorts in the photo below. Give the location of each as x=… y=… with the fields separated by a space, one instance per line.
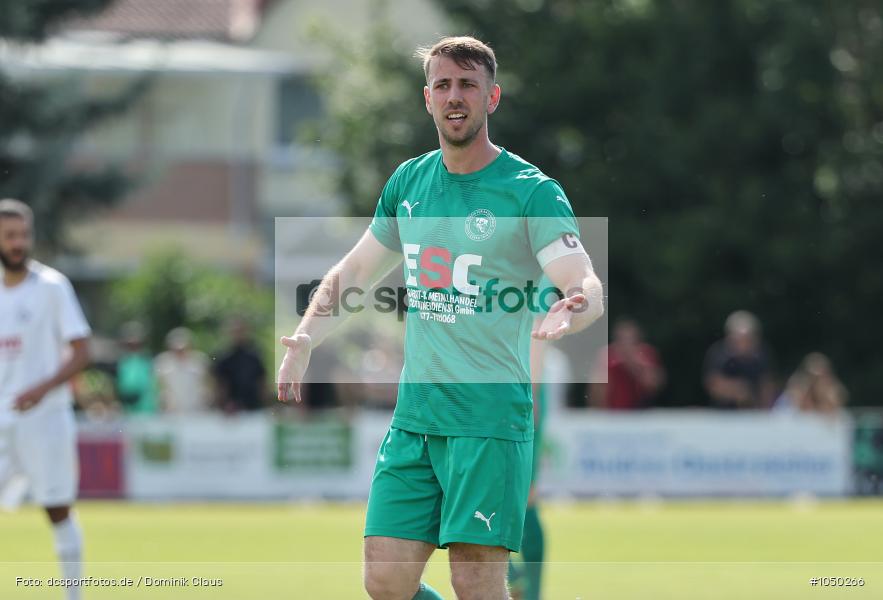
x=42 y=447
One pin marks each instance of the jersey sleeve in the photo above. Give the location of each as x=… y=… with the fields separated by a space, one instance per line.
x=384 y=226
x=72 y=324
x=549 y=215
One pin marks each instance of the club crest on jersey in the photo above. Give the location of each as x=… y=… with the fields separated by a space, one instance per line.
x=480 y=225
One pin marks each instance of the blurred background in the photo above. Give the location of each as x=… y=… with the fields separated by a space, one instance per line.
x=735 y=146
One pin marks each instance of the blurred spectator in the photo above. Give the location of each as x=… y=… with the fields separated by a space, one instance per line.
x=182 y=375
x=135 y=385
x=813 y=388
x=94 y=395
x=240 y=372
x=94 y=388
x=319 y=391
x=634 y=372
x=737 y=372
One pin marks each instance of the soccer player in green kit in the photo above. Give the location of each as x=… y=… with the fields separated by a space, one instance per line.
x=473 y=223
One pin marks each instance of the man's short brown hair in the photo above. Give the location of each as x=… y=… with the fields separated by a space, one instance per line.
x=466 y=51
x=10 y=208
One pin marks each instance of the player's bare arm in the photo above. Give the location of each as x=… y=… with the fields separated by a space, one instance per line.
x=363 y=267
x=583 y=301
x=79 y=360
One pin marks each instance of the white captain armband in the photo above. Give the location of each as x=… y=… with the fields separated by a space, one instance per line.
x=568 y=243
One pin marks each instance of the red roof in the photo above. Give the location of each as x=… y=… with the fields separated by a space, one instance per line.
x=233 y=20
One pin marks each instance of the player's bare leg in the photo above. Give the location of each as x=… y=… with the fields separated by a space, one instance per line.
x=57 y=514
x=393 y=567
x=479 y=572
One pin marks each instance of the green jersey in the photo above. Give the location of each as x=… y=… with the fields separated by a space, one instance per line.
x=470 y=244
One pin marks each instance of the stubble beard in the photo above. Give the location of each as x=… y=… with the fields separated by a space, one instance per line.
x=14 y=267
x=467 y=137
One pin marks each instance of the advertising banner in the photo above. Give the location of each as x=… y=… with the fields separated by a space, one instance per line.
x=697 y=453
x=251 y=457
x=585 y=454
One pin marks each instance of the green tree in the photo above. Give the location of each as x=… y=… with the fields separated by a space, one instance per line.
x=736 y=147
x=716 y=137
x=170 y=291
x=372 y=90
x=40 y=122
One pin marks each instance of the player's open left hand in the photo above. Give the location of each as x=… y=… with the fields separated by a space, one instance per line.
x=293 y=367
x=557 y=321
x=29 y=398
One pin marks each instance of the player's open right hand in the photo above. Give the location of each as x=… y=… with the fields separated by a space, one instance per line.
x=294 y=365
x=557 y=321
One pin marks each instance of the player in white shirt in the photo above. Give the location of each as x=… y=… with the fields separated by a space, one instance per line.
x=43 y=343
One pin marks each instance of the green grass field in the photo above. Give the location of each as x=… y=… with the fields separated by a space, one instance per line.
x=671 y=550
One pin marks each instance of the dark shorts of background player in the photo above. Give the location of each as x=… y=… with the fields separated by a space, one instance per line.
x=440 y=489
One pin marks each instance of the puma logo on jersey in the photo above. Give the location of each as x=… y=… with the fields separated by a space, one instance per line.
x=487 y=520
x=562 y=200
x=409 y=207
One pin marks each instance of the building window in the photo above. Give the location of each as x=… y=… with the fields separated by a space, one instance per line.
x=298 y=105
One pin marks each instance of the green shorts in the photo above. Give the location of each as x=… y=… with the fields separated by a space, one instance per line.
x=440 y=489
